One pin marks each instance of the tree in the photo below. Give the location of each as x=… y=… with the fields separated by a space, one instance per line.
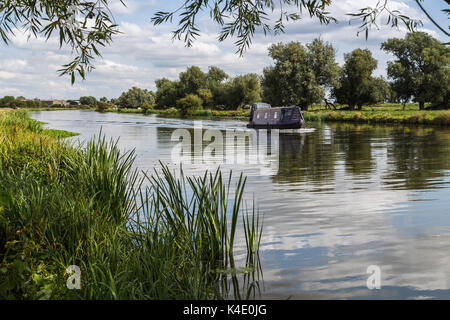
x=421 y=70
x=192 y=80
x=300 y=74
x=88 y=100
x=380 y=91
x=356 y=81
x=206 y=96
x=216 y=75
x=322 y=59
x=135 y=98
x=85 y=26
x=215 y=82
x=189 y=104
x=167 y=93
x=7 y=102
x=243 y=90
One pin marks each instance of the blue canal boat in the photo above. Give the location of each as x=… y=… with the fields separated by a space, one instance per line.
x=263 y=116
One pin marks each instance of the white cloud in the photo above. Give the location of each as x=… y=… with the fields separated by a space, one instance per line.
x=144 y=53
x=117 y=7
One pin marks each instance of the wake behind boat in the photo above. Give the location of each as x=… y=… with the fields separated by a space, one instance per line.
x=263 y=116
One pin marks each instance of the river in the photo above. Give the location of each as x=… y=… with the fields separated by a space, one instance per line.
x=338 y=200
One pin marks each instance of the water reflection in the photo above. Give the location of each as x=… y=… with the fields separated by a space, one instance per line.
x=343 y=197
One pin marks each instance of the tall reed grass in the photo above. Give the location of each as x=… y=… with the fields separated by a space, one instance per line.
x=150 y=236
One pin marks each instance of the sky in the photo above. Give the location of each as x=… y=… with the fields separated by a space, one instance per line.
x=144 y=53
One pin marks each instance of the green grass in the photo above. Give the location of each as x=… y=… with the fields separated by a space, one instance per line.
x=205 y=113
x=383 y=114
x=159 y=235
x=59 y=133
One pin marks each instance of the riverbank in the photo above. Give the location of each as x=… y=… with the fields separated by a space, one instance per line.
x=86 y=208
x=235 y=114
x=384 y=113
x=439 y=118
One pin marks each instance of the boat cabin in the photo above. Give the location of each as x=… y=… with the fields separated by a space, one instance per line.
x=263 y=116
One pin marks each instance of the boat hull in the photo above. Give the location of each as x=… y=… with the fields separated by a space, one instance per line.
x=276 y=118
x=297 y=125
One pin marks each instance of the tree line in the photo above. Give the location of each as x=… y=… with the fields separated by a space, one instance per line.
x=307 y=74
x=304 y=75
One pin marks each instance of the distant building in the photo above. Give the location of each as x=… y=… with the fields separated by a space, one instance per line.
x=56 y=102
x=74 y=102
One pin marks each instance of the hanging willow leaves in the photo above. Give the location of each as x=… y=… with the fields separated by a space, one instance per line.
x=81 y=25
x=86 y=26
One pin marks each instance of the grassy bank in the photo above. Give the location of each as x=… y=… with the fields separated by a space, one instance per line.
x=133 y=237
x=383 y=113
x=393 y=114
x=172 y=112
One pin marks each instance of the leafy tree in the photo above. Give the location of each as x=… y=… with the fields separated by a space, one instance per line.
x=216 y=75
x=300 y=74
x=88 y=100
x=380 y=91
x=167 y=93
x=421 y=70
x=7 y=102
x=215 y=82
x=103 y=99
x=206 y=96
x=135 y=98
x=192 y=80
x=85 y=26
x=356 y=81
x=322 y=59
x=243 y=90
x=189 y=104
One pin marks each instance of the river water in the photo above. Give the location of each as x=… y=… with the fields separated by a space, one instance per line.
x=339 y=200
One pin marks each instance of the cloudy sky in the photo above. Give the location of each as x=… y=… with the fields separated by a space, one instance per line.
x=144 y=53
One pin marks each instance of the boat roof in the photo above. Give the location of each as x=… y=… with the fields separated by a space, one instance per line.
x=277 y=108
x=261 y=105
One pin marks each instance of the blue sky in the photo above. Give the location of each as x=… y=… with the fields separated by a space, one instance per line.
x=144 y=53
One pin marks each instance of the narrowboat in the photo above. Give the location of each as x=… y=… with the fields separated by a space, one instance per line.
x=263 y=116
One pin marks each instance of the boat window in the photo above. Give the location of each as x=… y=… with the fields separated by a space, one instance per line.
x=275 y=115
x=265 y=115
x=257 y=116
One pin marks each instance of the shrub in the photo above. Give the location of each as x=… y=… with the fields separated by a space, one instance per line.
x=203 y=113
x=189 y=104
x=102 y=106
x=171 y=111
x=146 y=108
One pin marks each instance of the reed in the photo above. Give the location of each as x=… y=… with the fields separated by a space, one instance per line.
x=135 y=236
